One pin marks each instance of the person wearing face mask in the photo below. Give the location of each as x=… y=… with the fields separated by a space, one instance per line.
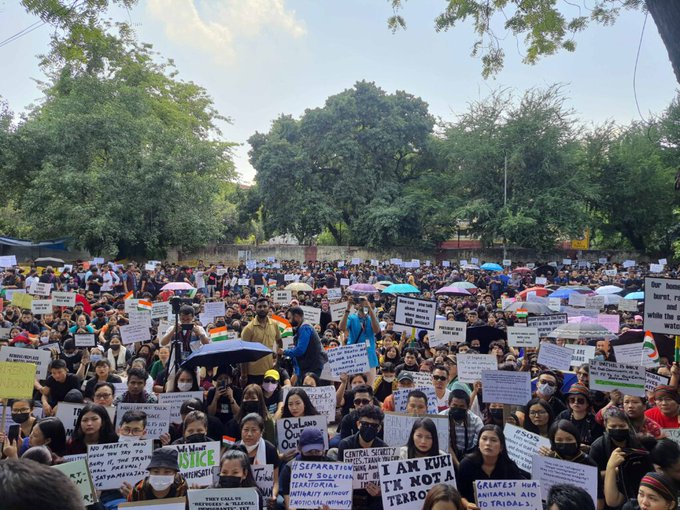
x=195 y=429
x=386 y=382
x=22 y=414
x=307 y=354
x=464 y=426
x=164 y=480
x=273 y=394
x=253 y=402
x=548 y=389
x=185 y=381
x=619 y=433
x=118 y=355
x=311 y=448
x=235 y=473
x=260 y=451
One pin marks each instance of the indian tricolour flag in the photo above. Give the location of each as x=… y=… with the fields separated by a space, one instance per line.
x=218 y=334
x=285 y=328
x=128 y=295
x=144 y=305
x=650 y=354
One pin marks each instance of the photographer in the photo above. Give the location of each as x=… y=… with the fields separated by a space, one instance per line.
x=191 y=335
x=361 y=326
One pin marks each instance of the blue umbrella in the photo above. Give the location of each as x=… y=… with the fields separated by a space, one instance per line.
x=563 y=293
x=401 y=288
x=226 y=352
x=490 y=266
x=640 y=296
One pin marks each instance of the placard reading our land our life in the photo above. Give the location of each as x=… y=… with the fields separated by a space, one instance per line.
x=348 y=359
x=608 y=376
x=288 y=431
x=416 y=313
x=365 y=462
x=404 y=483
x=662 y=297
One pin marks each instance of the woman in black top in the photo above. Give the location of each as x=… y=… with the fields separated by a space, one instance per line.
x=490 y=461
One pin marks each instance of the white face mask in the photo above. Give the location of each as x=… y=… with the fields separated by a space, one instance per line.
x=184 y=386
x=122 y=438
x=388 y=379
x=161 y=482
x=252 y=448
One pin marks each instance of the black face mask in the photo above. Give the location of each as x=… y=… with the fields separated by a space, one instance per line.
x=368 y=432
x=618 y=434
x=566 y=450
x=457 y=413
x=196 y=438
x=250 y=406
x=21 y=417
x=230 y=482
x=496 y=414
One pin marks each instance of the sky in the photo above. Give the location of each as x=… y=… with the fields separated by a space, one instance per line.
x=259 y=59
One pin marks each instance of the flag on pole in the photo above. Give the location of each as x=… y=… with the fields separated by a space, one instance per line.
x=218 y=334
x=285 y=327
x=677 y=349
x=191 y=293
x=650 y=354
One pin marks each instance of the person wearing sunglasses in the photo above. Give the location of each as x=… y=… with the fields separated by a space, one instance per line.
x=580 y=413
x=440 y=377
x=548 y=390
x=363 y=396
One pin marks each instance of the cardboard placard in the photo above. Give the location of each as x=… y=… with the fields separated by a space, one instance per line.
x=175 y=401
x=160 y=504
x=41 y=306
x=608 y=376
x=416 y=313
x=348 y=359
x=581 y=354
x=281 y=297
x=312 y=314
x=314 y=484
x=522 y=337
x=132 y=333
x=233 y=499
x=79 y=474
x=114 y=463
x=365 y=462
x=404 y=483
x=264 y=478
x=63 y=298
x=337 y=310
x=85 y=340
x=546 y=323
x=288 y=431
x=471 y=366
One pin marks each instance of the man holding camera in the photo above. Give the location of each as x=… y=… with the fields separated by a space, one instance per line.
x=191 y=335
x=360 y=327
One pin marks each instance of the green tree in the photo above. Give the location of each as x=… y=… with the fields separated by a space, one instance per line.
x=545 y=25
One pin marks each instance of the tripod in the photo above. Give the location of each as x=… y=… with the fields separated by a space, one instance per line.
x=175 y=358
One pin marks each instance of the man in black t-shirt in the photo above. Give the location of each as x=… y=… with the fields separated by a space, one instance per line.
x=57 y=385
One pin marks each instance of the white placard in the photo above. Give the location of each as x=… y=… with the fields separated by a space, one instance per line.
x=198 y=461
x=114 y=463
x=211 y=499
x=656 y=268
x=662 y=314
x=131 y=305
x=546 y=323
x=132 y=333
x=522 y=337
x=628 y=354
x=609 y=321
x=554 y=356
x=348 y=359
x=41 y=306
x=446 y=332
x=141 y=318
x=628 y=305
x=506 y=387
x=312 y=314
x=549 y=471
x=314 y=484
x=566 y=262
x=507 y=262
x=288 y=431
x=160 y=310
x=175 y=401
x=157 y=417
x=322 y=397
x=68 y=415
x=471 y=366
x=401 y=398
x=8 y=261
x=397 y=428
x=628 y=263
x=663 y=262
x=281 y=297
x=85 y=340
x=404 y=483
x=577 y=299
x=653 y=380
x=520 y=493
x=41 y=289
x=522 y=445
x=608 y=376
x=334 y=294
x=337 y=310
x=416 y=313
x=581 y=354
x=446 y=263
x=214 y=309
x=595 y=302
x=63 y=298
x=40 y=357
x=264 y=478
x=344 y=282
x=541 y=280
x=365 y=462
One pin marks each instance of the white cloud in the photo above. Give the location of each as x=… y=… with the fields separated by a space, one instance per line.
x=215 y=27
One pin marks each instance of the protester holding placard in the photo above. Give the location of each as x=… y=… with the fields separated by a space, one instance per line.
x=57 y=385
x=581 y=415
x=464 y=426
x=164 y=480
x=49 y=432
x=235 y=473
x=260 y=451
x=548 y=390
x=423 y=441
x=93 y=426
x=404 y=381
x=362 y=326
x=386 y=382
x=363 y=396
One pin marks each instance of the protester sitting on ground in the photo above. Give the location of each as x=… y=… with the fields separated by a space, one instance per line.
x=235 y=473
x=164 y=480
x=422 y=441
x=568 y=497
x=260 y=451
x=404 y=381
x=464 y=426
x=93 y=426
x=136 y=394
x=253 y=402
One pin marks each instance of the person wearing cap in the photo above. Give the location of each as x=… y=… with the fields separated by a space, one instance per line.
x=580 y=413
x=273 y=395
x=311 y=449
x=404 y=381
x=666 y=406
x=164 y=480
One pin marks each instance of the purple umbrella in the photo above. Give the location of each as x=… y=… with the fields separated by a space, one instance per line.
x=453 y=290
x=363 y=288
x=177 y=286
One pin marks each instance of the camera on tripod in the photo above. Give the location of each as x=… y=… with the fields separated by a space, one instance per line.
x=176 y=303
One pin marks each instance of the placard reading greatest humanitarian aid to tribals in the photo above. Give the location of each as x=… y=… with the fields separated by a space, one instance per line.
x=416 y=313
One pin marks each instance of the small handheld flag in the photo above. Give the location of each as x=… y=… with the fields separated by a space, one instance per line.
x=677 y=349
x=650 y=354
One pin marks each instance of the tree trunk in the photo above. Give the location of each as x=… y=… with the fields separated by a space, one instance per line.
x=666 y=15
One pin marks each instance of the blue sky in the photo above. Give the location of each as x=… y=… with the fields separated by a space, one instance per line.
x=261 y=58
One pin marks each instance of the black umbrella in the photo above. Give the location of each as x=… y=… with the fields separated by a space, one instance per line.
x=226 y=352
x=545 y=270
x=485 y=335
x=664 y=344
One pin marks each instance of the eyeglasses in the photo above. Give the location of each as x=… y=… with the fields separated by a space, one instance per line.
x=130 y=431
x=538 y=413
x=362 y=401
x=439 y=378
x=103 y=395
x=577 y=400
x=21 y=411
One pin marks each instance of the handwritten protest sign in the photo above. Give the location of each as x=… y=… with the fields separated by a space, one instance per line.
x=505 y=387
x=175 y=401
x=595 y=302
x=421 y=379
x=581 y=354
x=554 y=356
x=653 y=380
x=63 y=298
x=522 y=493
x=608 y=376
x=404 y=483
x=609 y=321
x=264 y=478
x=79 y=474
x=397 y=427
x=141 y=318
x=322 y=397
x=337 y=310
x=549 y=471
x=288 y=430
x=344 y=282
x=522 y=445
x=672 y=434
x=446 y=332
x=41 y=359
x=628 y=305
x=365 y=462
x=471 y=366
x=314 y=484
x=41 y=306
x=334 y=293
x=628 y=354
x=416 y=313
x=160 y=504
x=68 y=413
x=522 y=337
x=157 y=417
x=662 y=314
x=348 y=359
x=546 y=323
x=114 y=463
x=85 y=340
x=21 y=299
x=160 y=310
x=214 y=309
x=132 y=333
x=312 y=314
x=233 y=499
x=281 y=297
x=401 y=398
x=198 y=461
x=16 y=379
